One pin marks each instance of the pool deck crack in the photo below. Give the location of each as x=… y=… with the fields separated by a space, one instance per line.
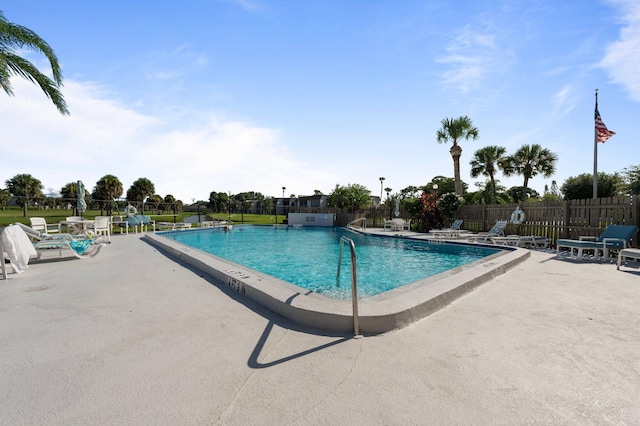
x=335 y=388
x=232 y=403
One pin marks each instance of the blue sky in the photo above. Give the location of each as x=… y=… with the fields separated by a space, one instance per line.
x=242 y=95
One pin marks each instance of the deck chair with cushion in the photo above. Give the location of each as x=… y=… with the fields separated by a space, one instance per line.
x=615 y=237
x=40 y=224
x=80 y=246
x=496 y=231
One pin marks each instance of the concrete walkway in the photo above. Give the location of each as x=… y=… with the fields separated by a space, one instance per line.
x=131 y=337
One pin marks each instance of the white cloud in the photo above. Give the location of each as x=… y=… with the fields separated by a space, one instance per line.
x=104 y=137
x=470 y=56
x=621 y=59
x=563 y=101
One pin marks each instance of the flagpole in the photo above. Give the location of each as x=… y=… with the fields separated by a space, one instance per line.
x=595 y=155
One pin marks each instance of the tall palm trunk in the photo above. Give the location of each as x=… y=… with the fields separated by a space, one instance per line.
x=525 y=186
x=493 y=189
x=456 y=152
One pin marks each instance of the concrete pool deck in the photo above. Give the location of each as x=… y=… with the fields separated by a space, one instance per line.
x=133 y=337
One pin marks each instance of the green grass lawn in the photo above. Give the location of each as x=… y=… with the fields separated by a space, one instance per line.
x=12 y=215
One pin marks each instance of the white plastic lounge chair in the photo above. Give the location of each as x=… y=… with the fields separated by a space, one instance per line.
x=528 y=241
x=80 y=248
x=509 y=240
x=453 y=232
x=166 y=226
x=496 y=231
x=615 y=237
x=34 y=234
x=629 y=253
x=40 y=224
x=454 y=226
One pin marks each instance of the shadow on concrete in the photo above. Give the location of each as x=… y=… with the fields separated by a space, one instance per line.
x=273 y=318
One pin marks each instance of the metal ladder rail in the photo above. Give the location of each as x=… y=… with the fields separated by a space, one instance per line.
x=354 y=281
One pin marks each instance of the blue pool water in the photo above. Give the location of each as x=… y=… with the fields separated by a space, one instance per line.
x=308 y=257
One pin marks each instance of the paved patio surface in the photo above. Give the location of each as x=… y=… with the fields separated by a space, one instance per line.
x=132 y=337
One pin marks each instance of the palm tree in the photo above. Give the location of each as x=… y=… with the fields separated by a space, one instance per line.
x=107 y=189
x=486 y=162
x=140 y=189
x=453 y=130
x=529 y=161
x=24 y=186
x=14 y=37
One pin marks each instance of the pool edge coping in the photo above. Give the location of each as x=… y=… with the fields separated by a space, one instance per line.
x=376 y=315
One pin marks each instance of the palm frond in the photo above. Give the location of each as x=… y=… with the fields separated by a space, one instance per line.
x=17 y=65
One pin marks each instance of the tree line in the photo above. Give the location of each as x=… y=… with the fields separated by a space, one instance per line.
x=107 y=191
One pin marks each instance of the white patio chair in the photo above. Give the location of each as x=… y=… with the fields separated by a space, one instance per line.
x=102 y=226
x=40 y=224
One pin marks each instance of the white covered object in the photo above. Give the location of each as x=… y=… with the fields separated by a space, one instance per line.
x=17 y=247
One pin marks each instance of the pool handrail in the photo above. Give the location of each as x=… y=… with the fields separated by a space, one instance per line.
x=354 y=281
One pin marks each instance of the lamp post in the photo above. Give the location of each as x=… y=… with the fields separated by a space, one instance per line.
x=284 y=188
x=381 y=184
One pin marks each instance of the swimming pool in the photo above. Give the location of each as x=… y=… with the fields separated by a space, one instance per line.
x=308 y=256
x=380 y=313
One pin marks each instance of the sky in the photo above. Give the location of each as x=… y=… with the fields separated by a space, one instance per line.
x=257 y=95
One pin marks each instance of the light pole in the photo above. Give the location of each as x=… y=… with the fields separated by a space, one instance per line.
x=284 y=188
x=381 y=184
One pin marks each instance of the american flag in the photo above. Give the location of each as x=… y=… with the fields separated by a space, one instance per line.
x=601 y=130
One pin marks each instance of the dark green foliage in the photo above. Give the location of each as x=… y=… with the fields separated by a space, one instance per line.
x=446 y=185
x=24 y=186
x=486 y=162
x=107 y=190
x=450 y=204
x=140 y=189
x=517 y=193
x=581 y=187
x=529 y=161
x=352 y=197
